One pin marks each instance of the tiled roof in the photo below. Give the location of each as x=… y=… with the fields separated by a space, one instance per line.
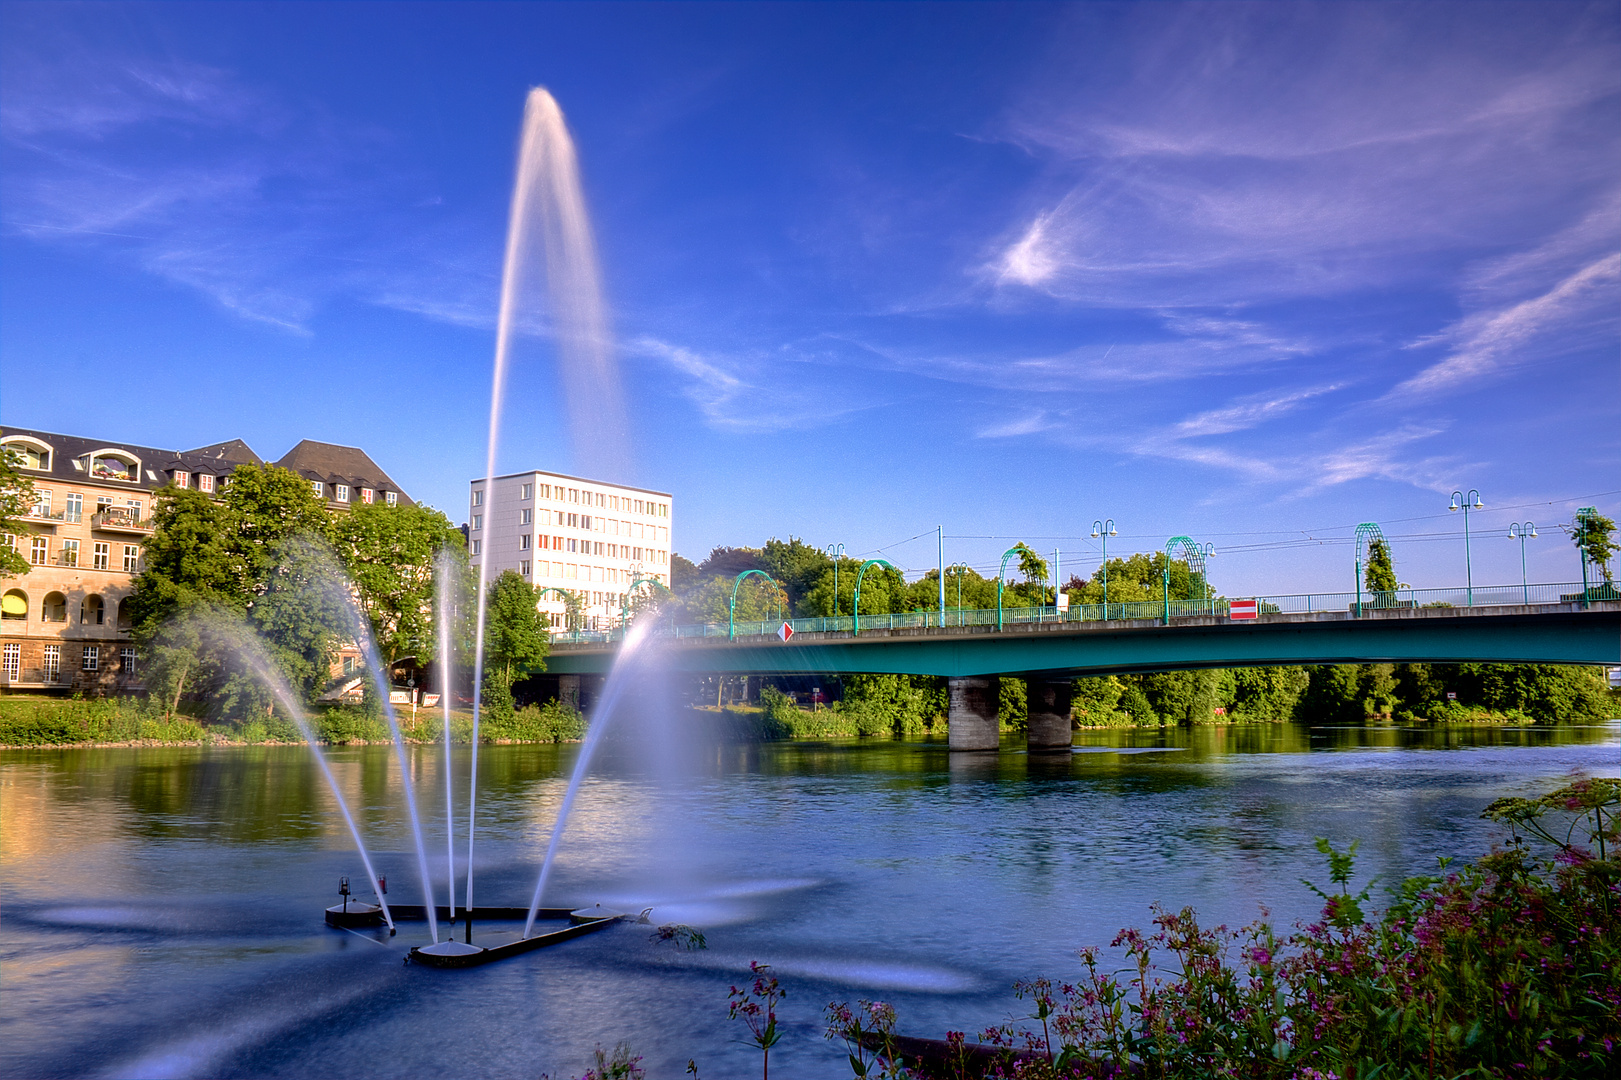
x=332 y=464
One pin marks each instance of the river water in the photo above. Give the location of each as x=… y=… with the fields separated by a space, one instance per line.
x=162 y=907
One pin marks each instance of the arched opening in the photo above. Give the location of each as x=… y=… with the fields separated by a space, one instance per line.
x=126 y=621
x=111 y=464
x=55 y=608
x=14 y=605
x=93 y=611
x=29 y=453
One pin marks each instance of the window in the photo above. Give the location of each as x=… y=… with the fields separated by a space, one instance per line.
x=132 y=559
x=319 y=488
x=527 y=492
x=557 y=569
x=28 y=456
x=478 y=547
x=478 y=521
x=523 y=542
x=102 y=555
x=11 y=660
x=573 y=545
x=573 y=495
x=525 y=516
x=135 y=505
x=93 y=611
x=9 y=541
x=367 y=495
x=573 y=520
x=598 y=548
x=601 y=499
x=126 y=661
x=92 y=658
x=53 y=662
x=42 y=503
x=391 y=498
x=478 y=498
x=182 y=479
x=75 y=507
x=340 y=492
x=104 y=503
x=523 y=567
x=115 y=467
x=613 y=502
x=38 y=552
x=69 y=555
x=585 y=522
x=15 y=605
x=205 y=482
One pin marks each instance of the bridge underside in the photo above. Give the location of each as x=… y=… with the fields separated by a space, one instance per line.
x=1549 y=634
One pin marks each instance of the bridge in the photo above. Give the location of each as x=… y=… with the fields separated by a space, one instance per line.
x=1048 y=648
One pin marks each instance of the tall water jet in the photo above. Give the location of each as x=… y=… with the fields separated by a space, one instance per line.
x=547 y=199
x=444 y=574
x=613 y=689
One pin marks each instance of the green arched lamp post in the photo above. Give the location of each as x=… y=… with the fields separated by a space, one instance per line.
x=731 y=608
x=635 y=582
x=835 y=552
x=1366 y=534
x=1104 y=530
x=544 y=589
x=1001 y=576
x=1466 y=504
x=1523 y=531
x=855 y=620
x=1195 y=556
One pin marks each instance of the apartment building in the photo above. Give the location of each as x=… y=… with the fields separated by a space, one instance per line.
x=65 y=625
x=567 y=534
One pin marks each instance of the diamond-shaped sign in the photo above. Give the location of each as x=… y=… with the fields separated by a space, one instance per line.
x=785 y=631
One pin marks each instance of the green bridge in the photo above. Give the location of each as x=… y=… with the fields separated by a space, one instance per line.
x=1048 y=648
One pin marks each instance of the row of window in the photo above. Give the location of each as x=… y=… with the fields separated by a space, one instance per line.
x=93 y=610
x=73 y=506
x=559 y=571
x=623 y=503
x=341 y=492
x=591 y=598
x=587 y=523
x=67 y=553
x=51 y=662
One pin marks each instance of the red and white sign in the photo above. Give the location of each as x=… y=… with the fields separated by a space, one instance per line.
x=785 y=631
x=1241 y=609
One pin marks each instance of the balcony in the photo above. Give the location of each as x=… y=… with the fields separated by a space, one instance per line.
x=121 y=521
x=40 y=516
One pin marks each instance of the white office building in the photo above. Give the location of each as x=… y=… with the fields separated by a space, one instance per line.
x=566 y=534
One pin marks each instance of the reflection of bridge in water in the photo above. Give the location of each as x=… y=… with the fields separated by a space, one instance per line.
x=1049 y=649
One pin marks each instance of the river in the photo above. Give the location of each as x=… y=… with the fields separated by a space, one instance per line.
x=162 y=906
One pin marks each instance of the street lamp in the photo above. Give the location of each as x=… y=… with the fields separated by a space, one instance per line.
x=1195 y=556
x=835 y=552
x=1105 y=529
x=961 y=568
x=1466 y=504
x=731 y=608
x=855 y=621
x=1523 y=531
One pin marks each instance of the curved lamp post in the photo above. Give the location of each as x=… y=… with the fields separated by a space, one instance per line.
x=1366 y=534
x=731 y=608
x=1523 y=531
x=1001 y=576
x=961 y=568
x=543 y=590
x=635 y=582
x=1105 y=529
x=855 y=620
x=1466 y=504
x=835 y=552
x=1195 y=556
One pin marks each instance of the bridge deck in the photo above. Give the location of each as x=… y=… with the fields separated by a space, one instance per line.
x=1566 y=633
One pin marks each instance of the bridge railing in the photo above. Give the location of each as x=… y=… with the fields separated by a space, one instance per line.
x=1279 y=604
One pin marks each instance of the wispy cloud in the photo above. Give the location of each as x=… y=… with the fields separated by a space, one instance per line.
x=767 y=400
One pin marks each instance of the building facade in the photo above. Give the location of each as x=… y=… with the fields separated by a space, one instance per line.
x=65 y=624
x=567 y=534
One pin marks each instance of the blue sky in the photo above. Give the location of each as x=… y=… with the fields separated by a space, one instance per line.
x=1253 y=273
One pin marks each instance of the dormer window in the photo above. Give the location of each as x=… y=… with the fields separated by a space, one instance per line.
x=340 y=492
x=115 y=465
x=29 y=455
x=205 y=482
x=390 y=498
x=318 y=487
x=366 y=495
x=182 y=479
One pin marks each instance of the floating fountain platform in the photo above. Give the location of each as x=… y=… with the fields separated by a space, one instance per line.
x=456 y=954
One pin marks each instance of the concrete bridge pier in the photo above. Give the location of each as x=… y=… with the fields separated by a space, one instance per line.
x=1049 y=707
x=972 y=721
x=568 y=690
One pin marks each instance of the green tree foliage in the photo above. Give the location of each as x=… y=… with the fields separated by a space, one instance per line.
x=1135 y=579
x=16 y=497
x=1034 y=569
x=683 y=574
x=795 y=565
x=389 y=553
x=1379 y=573
x=1594 y=537
x=883 y=590
x=516 y=640
x=893 y=704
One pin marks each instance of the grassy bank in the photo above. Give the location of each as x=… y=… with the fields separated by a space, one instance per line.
x=51 y=721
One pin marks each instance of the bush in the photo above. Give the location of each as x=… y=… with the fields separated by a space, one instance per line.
x=552 y=722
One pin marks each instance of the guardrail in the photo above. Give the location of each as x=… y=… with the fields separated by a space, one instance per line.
x=1283 y=604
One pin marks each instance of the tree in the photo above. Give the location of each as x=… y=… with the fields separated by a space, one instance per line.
x=1593 y=536
x=1034 y=569
x=795 y=565
x=389 y=553
x=1379 y=574
x=16 y=497
x=516 y=640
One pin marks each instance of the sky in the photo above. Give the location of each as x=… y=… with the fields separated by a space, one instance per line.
x=1252 y=273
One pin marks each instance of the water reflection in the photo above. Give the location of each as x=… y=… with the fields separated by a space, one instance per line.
x=139 y=882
